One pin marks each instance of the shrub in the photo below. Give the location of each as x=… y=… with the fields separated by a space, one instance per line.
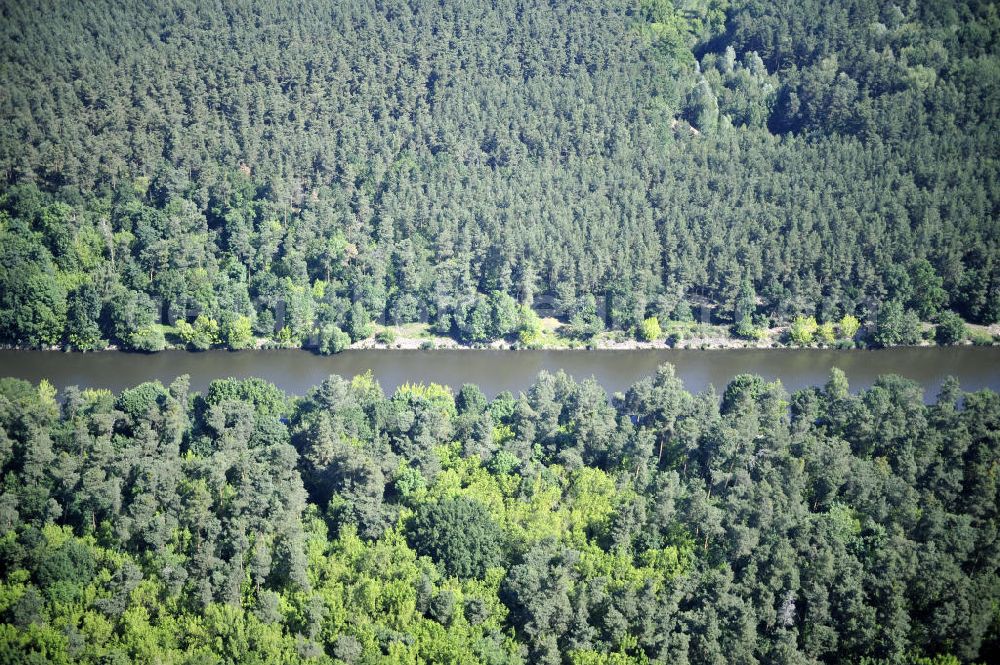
x=238 y=333
x=849 y=326
x=200 y=336
x=503 y=462
x=386 y=337
x=148 y=339
x=803 y=329
x=980 y=338
x=184 y=330
x=136 y=402
x=649 y=330
x=825 y=333
x=530 y=327
x=408 y=481
x=896 y=325
x=332 y=340
x=744 y=328
x=950 y=328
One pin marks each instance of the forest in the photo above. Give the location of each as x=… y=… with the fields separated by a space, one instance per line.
x=221 y=173
x=245 y=174
x=563 y=525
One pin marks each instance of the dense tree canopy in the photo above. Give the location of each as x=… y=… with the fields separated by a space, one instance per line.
x=284 y=169
x=243 y=526
x=459 y=534
x=209 y=174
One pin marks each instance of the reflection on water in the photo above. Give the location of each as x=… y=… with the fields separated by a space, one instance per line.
x=494 y=371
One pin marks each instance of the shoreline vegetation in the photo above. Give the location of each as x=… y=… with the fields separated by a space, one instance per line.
x=553 y=335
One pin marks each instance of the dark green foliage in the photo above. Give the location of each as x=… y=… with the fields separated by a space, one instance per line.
x=126 y=312
x=585 y=321
x=504 y=316
x=136 y=402
x=928 y=294
x=459 y=535
x=475 y=320
x=264 y=397
x=71 y=562
x=470 y=399
x=32 y=302
x=835 y=154
x=83 y=330
x=537 y=591
x=359 y=324
x=896 y=325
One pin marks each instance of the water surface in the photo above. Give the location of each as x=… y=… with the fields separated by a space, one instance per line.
x=494 y=371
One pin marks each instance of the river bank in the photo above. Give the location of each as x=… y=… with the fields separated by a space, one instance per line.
x=675 y=335
x=552 y=337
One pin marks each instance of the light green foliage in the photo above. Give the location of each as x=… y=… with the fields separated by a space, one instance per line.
x=184 y=330
x=849 y=326
x=407 y=481
x=649 y=330
x=803 y=329
x=237 y=333
x=206 y=332
x=980 y=338
x=529 y=327
x=826 y=333
x=668 y=31
x=201 y=335
x=745 y=329
x=333 y=340
x=148 y=339
x=438 y=397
